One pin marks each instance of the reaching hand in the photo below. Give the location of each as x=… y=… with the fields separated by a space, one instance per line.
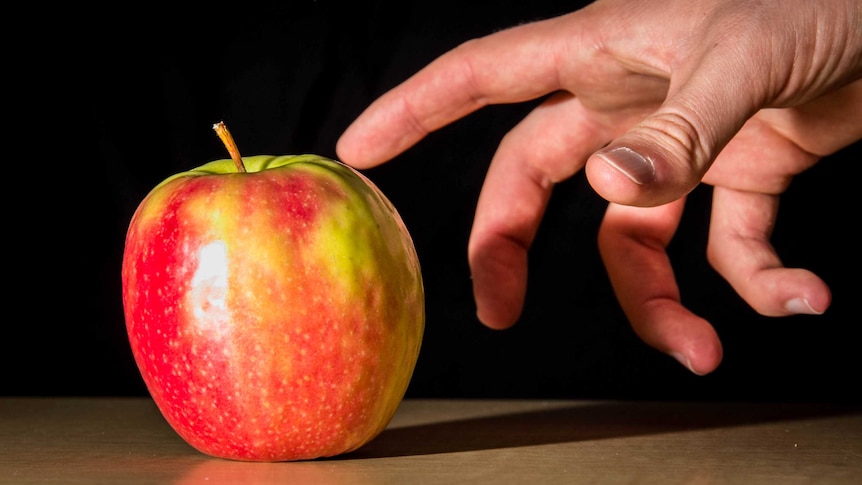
x=650 y=99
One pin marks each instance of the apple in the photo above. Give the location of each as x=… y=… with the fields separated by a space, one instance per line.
x=274 y=305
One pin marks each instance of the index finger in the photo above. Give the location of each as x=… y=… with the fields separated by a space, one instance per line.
x=510 y=66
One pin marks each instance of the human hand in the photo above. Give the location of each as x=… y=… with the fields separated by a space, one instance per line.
x=748 y=176
x=650 y=98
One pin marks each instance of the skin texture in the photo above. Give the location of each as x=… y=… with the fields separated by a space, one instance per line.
x=743 y=95
x=274 y=315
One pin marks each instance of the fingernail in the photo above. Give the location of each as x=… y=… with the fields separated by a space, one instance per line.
x=682 y=360
x=800 y=306
x=630 y=163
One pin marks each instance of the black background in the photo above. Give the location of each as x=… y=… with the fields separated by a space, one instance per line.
x=105 y=104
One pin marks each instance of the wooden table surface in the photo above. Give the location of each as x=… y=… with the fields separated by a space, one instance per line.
x=125 y=440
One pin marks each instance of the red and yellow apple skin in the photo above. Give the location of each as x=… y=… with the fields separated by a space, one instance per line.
x=277 y=314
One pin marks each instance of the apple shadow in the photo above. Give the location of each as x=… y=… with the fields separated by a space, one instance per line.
x=578 y=423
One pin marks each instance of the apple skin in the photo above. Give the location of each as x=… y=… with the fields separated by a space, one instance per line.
x=274 y=315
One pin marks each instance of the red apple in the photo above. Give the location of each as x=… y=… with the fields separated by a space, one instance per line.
x=274 y=306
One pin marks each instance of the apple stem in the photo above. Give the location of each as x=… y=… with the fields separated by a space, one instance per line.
x=226 y=138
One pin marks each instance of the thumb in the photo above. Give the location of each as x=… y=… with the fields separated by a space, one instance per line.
x=666 y=155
